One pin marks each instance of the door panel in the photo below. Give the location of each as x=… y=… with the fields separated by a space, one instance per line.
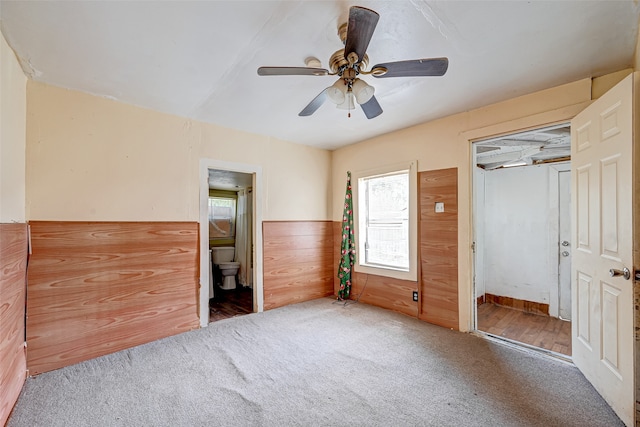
x=610 y=318
x=609 y=190
x=582 y=220
x=602 y=220
x=582 y=325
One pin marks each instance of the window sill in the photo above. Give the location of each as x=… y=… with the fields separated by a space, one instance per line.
x=387 y=272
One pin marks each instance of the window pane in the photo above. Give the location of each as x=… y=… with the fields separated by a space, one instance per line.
x=222 y=217
x=387 y=221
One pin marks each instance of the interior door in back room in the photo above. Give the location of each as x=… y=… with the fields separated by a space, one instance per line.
x=564 y=245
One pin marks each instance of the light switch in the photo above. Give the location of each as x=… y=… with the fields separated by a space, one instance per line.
x=439 y=207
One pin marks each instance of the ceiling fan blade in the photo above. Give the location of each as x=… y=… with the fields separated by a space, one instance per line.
x=414 y=68
x=362 y=23
x=371 y=108
x=314 y=104
x=292 y=71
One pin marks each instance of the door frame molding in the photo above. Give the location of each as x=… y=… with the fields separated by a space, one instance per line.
x=554 y=196
x=636 y=233
x=258 y=289
x=536 y=121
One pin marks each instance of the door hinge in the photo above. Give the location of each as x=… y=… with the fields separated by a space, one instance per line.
x=473 y=247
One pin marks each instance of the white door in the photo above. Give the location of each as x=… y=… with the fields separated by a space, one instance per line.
x=601 y=172
x=564 y=244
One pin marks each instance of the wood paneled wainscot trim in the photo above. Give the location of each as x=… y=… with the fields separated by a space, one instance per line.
x=13 y=274
x=99 y=287
x=518 y=304
x=385 y=292
x=439 y=247
x=298 y=261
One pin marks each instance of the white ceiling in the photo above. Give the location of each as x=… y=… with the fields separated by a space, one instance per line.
x=229 y=180
x=199 y=59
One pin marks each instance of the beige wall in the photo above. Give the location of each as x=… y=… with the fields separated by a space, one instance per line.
x=94 y=159
x=445 y=143
x=12 y=136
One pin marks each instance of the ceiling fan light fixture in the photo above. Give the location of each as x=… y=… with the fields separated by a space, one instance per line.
x=337 y=92
x=362 y=91
x=348 y=103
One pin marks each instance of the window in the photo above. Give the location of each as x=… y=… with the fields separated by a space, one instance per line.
x=386 y=223
x=222 y=218
x=385 y=220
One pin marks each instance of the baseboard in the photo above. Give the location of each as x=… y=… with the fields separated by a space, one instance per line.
x=480 y=300
x=517 y=304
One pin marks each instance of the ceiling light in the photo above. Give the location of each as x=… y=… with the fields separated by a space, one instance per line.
x=336 y=92
x=510 y=165
x=362 y=91
x=348 y=103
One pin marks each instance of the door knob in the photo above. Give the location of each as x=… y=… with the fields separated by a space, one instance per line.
x=565 y=243
x=565 y=253
x=614 y=272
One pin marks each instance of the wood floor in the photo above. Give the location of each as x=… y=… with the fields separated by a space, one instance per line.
x=236 y=302
x=541 y=331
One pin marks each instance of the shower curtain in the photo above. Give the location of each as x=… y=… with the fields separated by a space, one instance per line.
x=244 y=241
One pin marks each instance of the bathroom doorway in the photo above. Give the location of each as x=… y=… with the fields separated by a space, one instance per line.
x=230 y=244
x=521 y=197
x=230 y=240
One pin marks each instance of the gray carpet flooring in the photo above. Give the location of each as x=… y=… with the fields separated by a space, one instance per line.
x=315 y=364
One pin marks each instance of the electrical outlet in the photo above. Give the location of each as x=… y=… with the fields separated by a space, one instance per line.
x=439 y=207
x=415 y=295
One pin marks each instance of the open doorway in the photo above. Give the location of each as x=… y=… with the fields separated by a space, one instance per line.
x=230 y=240
x=521 y=197
x=230 y=244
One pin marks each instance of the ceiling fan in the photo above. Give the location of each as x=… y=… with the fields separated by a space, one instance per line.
x=351 y=61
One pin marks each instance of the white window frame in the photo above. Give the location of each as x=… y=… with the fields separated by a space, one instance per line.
x=412 y=273
x=230 y=239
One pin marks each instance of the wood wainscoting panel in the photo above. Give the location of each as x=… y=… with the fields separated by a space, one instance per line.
x=518 y=304
x=298 y=258
x=439 y=247
x=385 y=292
x=99 y=287
x=13 y=287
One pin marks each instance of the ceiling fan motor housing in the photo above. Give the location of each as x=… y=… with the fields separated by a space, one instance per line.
x=338 y=63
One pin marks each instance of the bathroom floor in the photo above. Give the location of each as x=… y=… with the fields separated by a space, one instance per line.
x=230 y=303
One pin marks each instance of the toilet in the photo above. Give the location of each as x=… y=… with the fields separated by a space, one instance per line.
x=223 y=258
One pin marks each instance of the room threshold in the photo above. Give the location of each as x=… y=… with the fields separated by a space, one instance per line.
x=527 y=348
